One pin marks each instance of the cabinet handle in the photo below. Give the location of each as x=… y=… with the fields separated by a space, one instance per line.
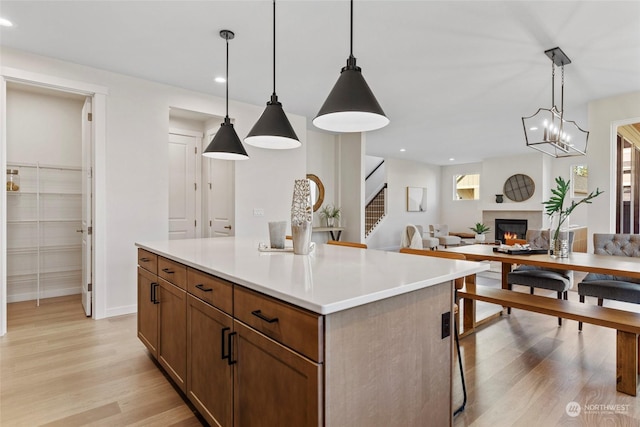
x=230 y=342
x=168 y=271
x=201 y=287
x=154 y=293
x=223 y=355
x=258 y=313
x=144 y=259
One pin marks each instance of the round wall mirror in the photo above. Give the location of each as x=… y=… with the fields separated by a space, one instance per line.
x=317 y=191
x=519 y=187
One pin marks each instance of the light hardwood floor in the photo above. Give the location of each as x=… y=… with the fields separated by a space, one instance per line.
x=58 y=368
x=523 y=370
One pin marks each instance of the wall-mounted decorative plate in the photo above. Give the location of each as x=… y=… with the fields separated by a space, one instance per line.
x=519 y=187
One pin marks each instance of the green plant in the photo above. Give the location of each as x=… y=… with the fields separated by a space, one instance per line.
x=555 y=204
x=330 y=211
x=480 y=228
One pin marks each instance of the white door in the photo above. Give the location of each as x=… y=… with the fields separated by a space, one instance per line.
x=87 y=230
x=183 y=184
x=220 y=193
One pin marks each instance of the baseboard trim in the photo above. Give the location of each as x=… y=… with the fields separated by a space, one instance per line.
x=119 y=311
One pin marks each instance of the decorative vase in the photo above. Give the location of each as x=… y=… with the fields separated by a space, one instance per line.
x=301 y=217
x=558 y=237
x=331 y=222
x=499 y=198
x=480 y=238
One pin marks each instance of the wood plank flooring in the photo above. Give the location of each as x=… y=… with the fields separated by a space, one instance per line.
x=523 y=370
x=59 y=368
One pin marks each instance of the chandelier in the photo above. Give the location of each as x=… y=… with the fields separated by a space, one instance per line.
x=547 y=130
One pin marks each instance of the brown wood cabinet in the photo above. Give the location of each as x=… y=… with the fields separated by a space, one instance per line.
x=209 y=373
x=148 y=310
x=273 y=385
x=172 y=331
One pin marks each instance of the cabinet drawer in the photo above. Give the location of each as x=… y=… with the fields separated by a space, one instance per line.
x=148 y=261
x=211 y=289
x=172 y=272
x=298 y=329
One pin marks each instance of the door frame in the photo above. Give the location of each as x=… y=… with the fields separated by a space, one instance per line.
x=613 y=167
x=99 y=100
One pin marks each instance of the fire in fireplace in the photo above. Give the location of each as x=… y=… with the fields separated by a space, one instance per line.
x=511 y=229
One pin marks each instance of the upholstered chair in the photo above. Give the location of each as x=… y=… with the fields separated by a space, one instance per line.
x=536 y=277
x=605 y=286
x=428 y=242
x=441 y=232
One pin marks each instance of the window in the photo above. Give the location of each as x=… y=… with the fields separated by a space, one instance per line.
x=467 y=187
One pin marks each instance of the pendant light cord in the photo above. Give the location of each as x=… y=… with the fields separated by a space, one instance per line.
x=351 y=35
x=274 y=48
x=227 y=76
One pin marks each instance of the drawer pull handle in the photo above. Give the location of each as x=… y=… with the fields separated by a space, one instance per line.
x=228 y=354
x=259 y=314
x=145 y=259
x=201 y=287
x=168 y=271
x=230 y=342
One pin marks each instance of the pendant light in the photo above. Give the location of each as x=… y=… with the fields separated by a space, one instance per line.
x=273 y=130
x=225 y=144
x=351 y=106
x=547 y=130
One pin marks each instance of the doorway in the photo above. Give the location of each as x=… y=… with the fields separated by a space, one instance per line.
x=97 y=132
x=628 y=179
x=47 y=221
x=201 y=189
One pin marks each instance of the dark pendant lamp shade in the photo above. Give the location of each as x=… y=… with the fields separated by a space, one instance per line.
x=351 y=105
x=273 y=130
x=225 y=144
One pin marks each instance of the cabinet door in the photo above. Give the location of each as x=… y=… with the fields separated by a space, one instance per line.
x=273 y=386
x=148 y=310
x=209 y=375
x=172 y=342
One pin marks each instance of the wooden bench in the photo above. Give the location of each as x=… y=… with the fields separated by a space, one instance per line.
x=626 y=323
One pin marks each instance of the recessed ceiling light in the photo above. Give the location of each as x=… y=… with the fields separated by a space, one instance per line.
x=5 y=23
x=402 y=150
x=220 y=80
x=451 y=159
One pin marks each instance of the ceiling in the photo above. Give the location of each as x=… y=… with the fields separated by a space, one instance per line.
x=454 y=77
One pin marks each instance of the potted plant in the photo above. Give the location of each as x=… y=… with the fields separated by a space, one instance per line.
x=554 y=207
x=332 y=215
x=480 y=229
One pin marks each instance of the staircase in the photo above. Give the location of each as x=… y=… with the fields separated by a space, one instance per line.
x=375 y=211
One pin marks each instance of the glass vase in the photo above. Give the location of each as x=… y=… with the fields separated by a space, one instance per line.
x=558 y=236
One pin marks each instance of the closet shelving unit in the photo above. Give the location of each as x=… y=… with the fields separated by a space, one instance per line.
x=43 y=245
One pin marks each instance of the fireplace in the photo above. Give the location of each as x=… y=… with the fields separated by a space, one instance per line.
x=511 y=228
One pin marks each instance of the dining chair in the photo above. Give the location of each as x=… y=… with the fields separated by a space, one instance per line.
x=350 y=244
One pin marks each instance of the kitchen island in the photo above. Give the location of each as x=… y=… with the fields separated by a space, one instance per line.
x=340 y=337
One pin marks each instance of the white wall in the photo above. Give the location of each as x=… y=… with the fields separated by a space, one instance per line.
x=43 y=127
x=322 y=162
x=351 y=149
x=462 y=214
x=400 y=175
x=137 y=160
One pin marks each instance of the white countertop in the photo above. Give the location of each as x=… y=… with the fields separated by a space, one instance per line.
x=330 y=279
